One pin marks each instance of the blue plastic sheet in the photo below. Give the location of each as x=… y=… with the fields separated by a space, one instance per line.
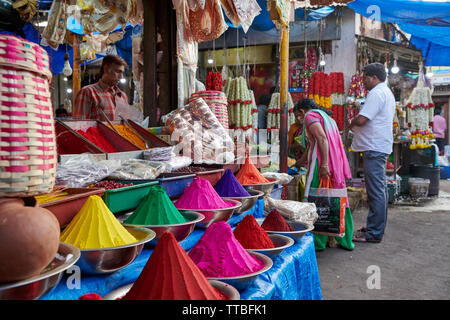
x=433 y=54
x=293 y=276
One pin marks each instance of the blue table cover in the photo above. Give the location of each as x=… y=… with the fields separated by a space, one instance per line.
x=293 y=276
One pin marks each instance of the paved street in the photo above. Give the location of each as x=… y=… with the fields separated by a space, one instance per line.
x=413 y=260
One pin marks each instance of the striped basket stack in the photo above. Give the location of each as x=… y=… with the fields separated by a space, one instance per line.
x=28 y=157
x=217 y=102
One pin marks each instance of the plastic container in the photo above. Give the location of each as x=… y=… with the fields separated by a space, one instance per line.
x=127 y=198
x=427 y=171
x=418 y=187
x=174 y=184
x=66 y=208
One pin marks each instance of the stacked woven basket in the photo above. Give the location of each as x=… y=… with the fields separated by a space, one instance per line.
x=217 y=102
x=28 y=157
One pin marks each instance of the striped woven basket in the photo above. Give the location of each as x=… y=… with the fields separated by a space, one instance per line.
x=217 y=102
x=28 y=157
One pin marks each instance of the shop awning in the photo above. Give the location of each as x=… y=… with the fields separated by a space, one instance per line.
x=428 y=22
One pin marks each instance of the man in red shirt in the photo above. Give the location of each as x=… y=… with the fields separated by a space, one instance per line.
x=104 y=95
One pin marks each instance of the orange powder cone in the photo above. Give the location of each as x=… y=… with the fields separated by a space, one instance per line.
x=170 y=274
x=96 y=227
x=249 y=174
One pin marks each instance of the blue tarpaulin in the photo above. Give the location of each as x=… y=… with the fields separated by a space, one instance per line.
x=427 y=21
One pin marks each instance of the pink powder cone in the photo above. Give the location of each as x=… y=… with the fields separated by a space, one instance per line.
x=218 y=254
x=201 y=195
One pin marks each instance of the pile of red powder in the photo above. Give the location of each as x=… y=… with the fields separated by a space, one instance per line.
x=94 y=136
x=276 y=222
x=170 y=274
x=250 y=234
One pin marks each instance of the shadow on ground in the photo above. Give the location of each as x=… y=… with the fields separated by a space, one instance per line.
x=413 y=259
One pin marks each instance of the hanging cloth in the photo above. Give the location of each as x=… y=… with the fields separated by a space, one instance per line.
x=207 y=24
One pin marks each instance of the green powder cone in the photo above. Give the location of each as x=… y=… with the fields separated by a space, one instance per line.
x=156 y=208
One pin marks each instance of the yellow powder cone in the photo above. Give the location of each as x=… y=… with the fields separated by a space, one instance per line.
x=96 y=227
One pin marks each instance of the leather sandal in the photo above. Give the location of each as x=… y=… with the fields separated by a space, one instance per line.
x=363 y=239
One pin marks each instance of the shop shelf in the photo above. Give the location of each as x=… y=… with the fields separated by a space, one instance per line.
x=66 y=208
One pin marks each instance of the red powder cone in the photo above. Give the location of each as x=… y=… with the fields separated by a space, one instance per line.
x=275 y=222
x=251 y=235
x=170 y=274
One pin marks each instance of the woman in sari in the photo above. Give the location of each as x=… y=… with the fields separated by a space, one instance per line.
x=325 y=158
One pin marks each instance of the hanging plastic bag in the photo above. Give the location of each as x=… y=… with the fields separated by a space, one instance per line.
x=331 y=205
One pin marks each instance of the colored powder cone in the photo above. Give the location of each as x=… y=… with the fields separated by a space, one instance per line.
x=219 y=254
x=275 y=222
x=249 y=174
x=250 y=234
x=94 y=136
x=96 y=227
x=201 y=195
x=228 y=186
x=156 y=208
x=170 y=274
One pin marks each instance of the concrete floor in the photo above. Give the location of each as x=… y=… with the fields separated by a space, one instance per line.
x=412 y=261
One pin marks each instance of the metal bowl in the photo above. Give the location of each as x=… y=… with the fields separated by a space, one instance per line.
x=247 y=202
x=215 y=215
x=180 y=230
x=230 y=292
x=266 y=188
x=107 y=260
x=35 y=287
x=242 y=282
x=280 y=242
x=299 y=229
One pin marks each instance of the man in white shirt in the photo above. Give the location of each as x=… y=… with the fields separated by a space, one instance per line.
x=373 y=137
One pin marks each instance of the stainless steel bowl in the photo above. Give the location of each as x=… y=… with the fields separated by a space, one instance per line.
x=242 y=282
x=214 y=215
x=107 y=260
x=247 y=202
x=180 y=230
x=280 y=242
x=35 y=287
x=229 y=291
x=299 y=229
x=266 y=188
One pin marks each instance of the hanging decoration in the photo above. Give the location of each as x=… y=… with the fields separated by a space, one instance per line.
x=320 y=89
x=214 y=81
x=239 y=104
x=337 y=98
x=273 y=112
x=356 y=94
x=420 y=113
x=209 y=23
x=309 y=68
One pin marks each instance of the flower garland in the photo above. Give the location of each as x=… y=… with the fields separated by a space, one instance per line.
x=420 y=113
x=337 y=98
x=309 y=68
x=239 y=104
x=357 y=88
x=320 y=89
x=273 y=112
x=214 y=81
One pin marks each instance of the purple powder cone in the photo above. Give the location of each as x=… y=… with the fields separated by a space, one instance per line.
x=229 y=186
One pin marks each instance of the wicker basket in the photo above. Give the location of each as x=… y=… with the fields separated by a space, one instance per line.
x=28 y=155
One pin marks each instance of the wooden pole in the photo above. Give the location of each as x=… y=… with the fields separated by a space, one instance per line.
x=284 y=74
x=75 y=40
x=150 y=76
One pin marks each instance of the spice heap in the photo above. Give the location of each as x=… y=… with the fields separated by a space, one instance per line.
x=170 y=274
x=95 y=227
x=128 y=133
x=249 y=174
x=250 y=234
x=229 y=186
x=276 y=222
x=109 y=185
x=219 y=254
x=156 y=208
x=201 y=195
x=94 y=136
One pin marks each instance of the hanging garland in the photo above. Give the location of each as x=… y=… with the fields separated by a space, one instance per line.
x=320 y=89
x=273 y=112
x=239 y=104
x=356 y=94
x=214 y=81
x=337 y=98
x=420 y=113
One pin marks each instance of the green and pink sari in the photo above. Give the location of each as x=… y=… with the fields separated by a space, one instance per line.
x=338 y=165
